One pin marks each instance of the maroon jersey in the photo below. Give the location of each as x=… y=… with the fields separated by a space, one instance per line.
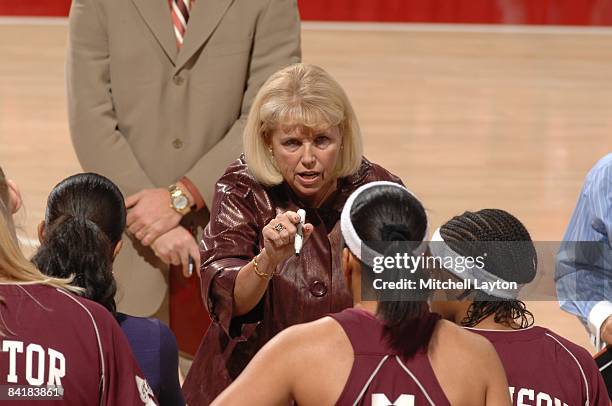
x=379 y=376
x=52 y=338
x=544 y=368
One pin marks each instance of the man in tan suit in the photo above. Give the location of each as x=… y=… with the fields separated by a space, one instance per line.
x=152 y=106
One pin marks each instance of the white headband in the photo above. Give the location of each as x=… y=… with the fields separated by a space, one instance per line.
x=441 y=250
x=352 y=240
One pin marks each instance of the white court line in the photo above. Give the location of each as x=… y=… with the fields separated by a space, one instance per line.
x=389 y=27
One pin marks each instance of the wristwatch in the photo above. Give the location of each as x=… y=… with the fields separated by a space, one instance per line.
x=179 y=200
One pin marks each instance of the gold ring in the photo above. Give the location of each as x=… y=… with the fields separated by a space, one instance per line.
x=279 y=227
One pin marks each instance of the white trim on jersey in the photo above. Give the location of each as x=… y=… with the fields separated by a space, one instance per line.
x=409 y=372
x=365 y=387
x=586 y=383
x=499 y=331
x=32 y=297
x=93 y=321
x=405 y=368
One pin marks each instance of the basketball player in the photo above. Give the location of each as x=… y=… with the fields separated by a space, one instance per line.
x=542 y=367
x=377 y=353
x=54 y=345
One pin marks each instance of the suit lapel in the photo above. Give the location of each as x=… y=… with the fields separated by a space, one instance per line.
x=156 y=14
x=205 y=15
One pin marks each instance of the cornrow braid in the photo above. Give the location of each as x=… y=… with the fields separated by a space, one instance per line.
x=466 y=233
x=510 y=312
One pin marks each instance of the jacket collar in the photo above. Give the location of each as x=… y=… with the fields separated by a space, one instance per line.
x=156 y=15
x=204 y=18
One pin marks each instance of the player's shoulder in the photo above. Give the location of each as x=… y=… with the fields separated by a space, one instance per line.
x=66 y=308
x=314 y=339
x=305 y=347
x=450 y=330
x=86 y=305
x=325 y=328
x=454 y=339
x=84 y=309
x=564 y=348
x=50 y=297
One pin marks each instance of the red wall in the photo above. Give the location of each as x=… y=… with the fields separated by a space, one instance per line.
x=53 y=8
x=553 y=12
x=557 y=12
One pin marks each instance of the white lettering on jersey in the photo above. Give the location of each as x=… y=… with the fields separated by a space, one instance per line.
x=13 y=347
x=541 y=399
x=40 y=378
x=35 y=362
x=544 y=399
x=380 y=399
x=145 y=391
x=57 y=367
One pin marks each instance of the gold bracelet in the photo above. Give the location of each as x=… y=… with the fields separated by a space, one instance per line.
x=263 y=275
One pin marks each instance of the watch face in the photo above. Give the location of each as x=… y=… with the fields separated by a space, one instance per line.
x=180 y=202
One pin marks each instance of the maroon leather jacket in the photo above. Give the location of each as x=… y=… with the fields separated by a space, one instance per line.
x=308 y=287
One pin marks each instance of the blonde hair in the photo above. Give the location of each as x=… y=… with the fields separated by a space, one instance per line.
x=13 y=265
x=300 y=95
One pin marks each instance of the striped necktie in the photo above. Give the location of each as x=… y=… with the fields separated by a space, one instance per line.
x=180 y=16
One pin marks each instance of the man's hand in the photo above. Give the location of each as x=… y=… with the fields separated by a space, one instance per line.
x=175 y=247
x=605 y=331
x=150 y=214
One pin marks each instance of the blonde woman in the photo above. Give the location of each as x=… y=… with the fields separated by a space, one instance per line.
x=302 y=150
x=56 y=345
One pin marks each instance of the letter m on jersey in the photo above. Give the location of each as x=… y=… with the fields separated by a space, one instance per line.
x=380 y=399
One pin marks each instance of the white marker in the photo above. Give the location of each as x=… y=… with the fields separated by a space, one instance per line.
x=299 y=236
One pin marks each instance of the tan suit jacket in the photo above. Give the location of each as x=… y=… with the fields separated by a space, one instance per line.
x=144 y=113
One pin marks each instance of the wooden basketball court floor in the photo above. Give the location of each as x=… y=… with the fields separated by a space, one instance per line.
x=469 y=117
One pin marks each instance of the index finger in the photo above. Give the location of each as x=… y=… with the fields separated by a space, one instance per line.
x=292 y=216
x=307 y=231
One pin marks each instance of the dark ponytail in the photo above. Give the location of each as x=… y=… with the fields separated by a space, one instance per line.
x=76 y=246
x=385 y=214
x=84 y=222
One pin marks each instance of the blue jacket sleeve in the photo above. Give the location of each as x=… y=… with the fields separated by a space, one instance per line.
x=584 y=262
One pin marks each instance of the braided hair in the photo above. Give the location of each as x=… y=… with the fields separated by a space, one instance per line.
x=511 y=262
